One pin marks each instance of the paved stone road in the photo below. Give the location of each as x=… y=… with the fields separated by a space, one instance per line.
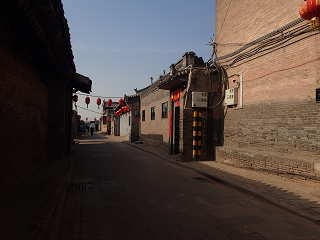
x=120 y=192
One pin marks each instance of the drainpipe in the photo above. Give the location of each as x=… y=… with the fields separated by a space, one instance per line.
x=241 y=91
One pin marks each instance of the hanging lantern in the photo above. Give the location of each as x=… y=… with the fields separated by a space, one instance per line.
x=79 y=117
x=108 y=120
x=86 y=119
x=121 y=101
x=87 y=101
x=310 y=10
x=127 y=108
x=75 y=98
x=109 y=102
x=99 y=102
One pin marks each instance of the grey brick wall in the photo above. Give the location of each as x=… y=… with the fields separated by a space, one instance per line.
x=278 y=127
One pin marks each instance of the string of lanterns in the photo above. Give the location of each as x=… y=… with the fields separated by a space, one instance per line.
x=122 y=110
x=87 y=101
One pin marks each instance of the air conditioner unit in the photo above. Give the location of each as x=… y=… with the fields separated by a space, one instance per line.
x=231 y=97
x=200 y=99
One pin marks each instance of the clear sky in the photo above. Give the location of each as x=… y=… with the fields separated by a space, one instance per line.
x=120 y=44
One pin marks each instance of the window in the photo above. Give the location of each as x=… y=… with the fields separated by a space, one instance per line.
x=143 y=115
x=165 y=110
x=153 y=113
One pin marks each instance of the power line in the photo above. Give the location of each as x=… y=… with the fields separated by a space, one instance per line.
x=89 y=110
x=224 y=18
x=95 y=96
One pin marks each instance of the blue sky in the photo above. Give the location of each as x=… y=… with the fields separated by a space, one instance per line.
x=120 y=44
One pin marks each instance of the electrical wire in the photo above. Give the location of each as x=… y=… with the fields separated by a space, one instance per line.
x=224 y=18
x=267 y=45
x=95 y=96
x=282 y=37
x=88 y=110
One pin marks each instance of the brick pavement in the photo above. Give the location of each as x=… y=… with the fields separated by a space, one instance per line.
x=135 y=196
x=301 y=197
x=32 y=208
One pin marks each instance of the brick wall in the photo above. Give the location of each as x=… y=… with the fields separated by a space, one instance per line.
x=155 y=131
x=135 y=119
x=23 y=104
x=278 y=127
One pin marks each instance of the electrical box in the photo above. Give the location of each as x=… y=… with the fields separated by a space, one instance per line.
x=231 y=97
x=200 y=99
x=318 y=95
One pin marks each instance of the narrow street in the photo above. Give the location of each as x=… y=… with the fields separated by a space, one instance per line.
x=120 y=192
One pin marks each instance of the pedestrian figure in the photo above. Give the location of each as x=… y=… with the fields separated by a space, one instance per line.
x=92 y=128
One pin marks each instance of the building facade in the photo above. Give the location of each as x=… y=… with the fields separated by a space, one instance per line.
x=166 y=110
x=37 y=79
x=271 y=59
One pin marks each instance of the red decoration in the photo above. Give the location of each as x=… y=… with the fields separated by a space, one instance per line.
x=309 y=9
x=121 y=101
x=79 y=117
x=127 y=108
x=87 y=101
x=75 y=98
x=176 y=94
x=95 y=119
x=99 y=102
x=109 y=102
x=108 y=120
x=86 y=119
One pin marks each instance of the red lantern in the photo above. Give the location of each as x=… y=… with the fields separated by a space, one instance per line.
x=79 y=117
x=310 y=10
x=99 y=102
x=127 y=108
x=87 y=101
x=108 y=120
x=109 y=102
x=86 y=119
x=75 y=98
x=95 y=119
x=121 y=101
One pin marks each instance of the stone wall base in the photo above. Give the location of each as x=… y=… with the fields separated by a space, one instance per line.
x=275 y=164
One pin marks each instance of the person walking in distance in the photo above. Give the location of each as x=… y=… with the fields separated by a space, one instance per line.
x=92 y=128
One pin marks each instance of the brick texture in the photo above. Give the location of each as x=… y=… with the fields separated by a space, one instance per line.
x=23 y=104
x=279 y=121
x=155 y=131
